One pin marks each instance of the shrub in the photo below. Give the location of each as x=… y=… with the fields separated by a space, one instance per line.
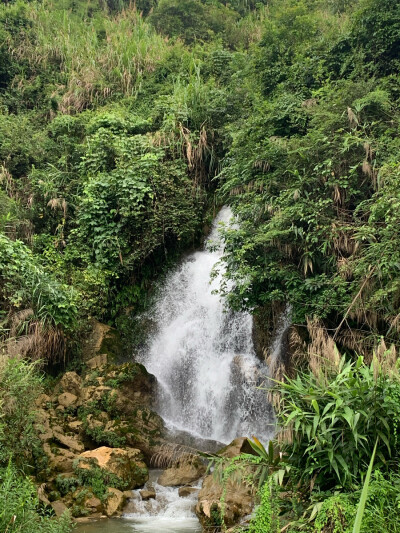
x=24 y=283
x=336 y=418
x=336 y=514
x=19 y=507
x=266 y=519
x=20 y=384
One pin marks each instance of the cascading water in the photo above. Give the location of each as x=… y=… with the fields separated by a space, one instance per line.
x=203 y=355
x=168 y=512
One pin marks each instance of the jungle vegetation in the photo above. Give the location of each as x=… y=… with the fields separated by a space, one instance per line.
x=124 y=125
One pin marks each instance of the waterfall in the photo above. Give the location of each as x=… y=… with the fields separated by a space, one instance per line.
x=203 y=356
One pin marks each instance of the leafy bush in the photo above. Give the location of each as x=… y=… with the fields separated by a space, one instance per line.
x=97 y=478
x=20 y=510
x=25 y=284
x=336 y=418
x=266 y=519
x=381 y=509
x=337 y=514
x=20 y=385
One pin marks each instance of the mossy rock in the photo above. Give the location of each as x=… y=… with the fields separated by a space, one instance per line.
x=120 y=468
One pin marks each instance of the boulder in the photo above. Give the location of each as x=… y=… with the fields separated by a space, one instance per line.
x=183 y=472
x=147 y=495
x=238 y=501
x=94 y=504
x=87 y=393
x=236 y=447
x=115 y=501
x=95 y=339
x=42 y=400
x=92 y=393
x=70 y=382
x=184 y=492
x=41 y=492
x=42 y=423
x=69 y=442
x=67 y=399
x=126 y=464
x=75 y=426
x=98 y=361
x=59 y=507
x=60 y=460
x=136 y=389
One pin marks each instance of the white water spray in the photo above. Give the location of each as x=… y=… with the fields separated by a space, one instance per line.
x=203 y=355
x=167 y=512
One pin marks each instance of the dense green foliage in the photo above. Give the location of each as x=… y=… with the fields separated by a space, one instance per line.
x=19 y=506
x=108 y=141
x=338 y=426
x=111 y=138
x=19 y=388
x=312 y=173
x=124 y=125
x=20 y=452
x=336 y=419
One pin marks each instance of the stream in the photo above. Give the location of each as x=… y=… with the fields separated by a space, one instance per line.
x=167 y=513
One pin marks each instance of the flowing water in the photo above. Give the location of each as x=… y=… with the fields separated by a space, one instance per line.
x=203 y=355
x=167 y=513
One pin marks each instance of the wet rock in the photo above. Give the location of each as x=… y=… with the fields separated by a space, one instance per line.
x=88 y=519
x=126 y=464
x=114 y=503
x=136 y=387
x=183 y=472
x=59 y=507
x=184 y=492
x=147 y=494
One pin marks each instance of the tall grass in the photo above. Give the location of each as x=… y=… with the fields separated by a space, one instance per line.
x=96 y=57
